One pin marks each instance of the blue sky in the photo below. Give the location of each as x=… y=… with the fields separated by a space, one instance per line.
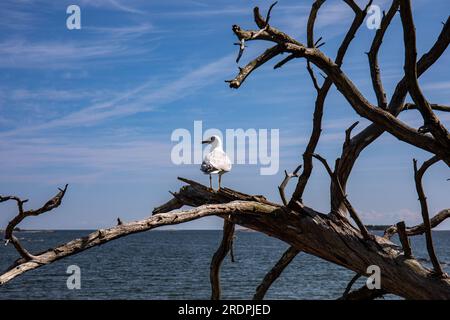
x=96 y=107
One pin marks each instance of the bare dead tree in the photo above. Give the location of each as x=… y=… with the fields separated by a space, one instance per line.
x=331 y=236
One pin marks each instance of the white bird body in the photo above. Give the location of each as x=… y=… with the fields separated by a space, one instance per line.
x=216 y=160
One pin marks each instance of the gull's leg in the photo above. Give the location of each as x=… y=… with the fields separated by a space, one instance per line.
x=220 y=179
x=210 y=182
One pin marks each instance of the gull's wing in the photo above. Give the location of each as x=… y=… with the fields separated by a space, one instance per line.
x=216 y=161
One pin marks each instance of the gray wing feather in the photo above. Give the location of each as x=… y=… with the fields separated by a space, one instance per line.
x=207 y=167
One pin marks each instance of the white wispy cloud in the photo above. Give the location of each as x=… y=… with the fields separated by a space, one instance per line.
x=61 y=160
x=143 y=98
x=17 y=53
x=117 y=5
x=18 y=16
x=207 y=12
x=54 y=95
x=129 y=30
x=103 y=153
x=441 y=85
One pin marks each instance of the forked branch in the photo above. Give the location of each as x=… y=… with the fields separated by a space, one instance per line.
x=322 y=91
x=439 y=144
x=347 y=203
x=22 y=214
x=418 y=175
x=284 y=183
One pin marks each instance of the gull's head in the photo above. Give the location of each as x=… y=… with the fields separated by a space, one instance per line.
x=214 y=141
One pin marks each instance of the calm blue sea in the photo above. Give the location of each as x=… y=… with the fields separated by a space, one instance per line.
x=175 y=265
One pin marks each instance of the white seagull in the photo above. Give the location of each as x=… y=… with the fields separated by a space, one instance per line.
x=216 y=161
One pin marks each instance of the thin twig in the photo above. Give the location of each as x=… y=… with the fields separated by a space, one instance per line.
x=282 y=186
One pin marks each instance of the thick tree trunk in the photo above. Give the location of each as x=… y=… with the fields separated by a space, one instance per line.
x=333 y=240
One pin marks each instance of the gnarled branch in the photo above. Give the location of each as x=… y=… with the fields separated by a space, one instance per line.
x=275 y=272
x=282 y=186
x=347 y=203
x=22 y=214
x=373 y=55
x=322 y=91
x=373 y=131
x=102 y=236
x=419 y=229
x=418 y=175
x=219 y=255
x=431 y=121
x=434 y=106
x=350 y=285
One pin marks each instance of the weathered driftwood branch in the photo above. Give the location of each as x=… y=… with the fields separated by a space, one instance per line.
x=275 y=272
x=368 y=135
x=431 y=121
x=438 y=145
x=347 y=203
x=22 y=214
x=418 y=175
x=253 y=65
x=373 y=55
x=419 y=229
x=217 y=259
x=434 y=106
x=311 y=22
x=349 y=286
x=322 y=92
x=404 y=239
x=232 y=249
x=102 y=236
x=364 y=294
x=284 y=183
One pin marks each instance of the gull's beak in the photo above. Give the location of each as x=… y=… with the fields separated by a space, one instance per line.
x=206 y=141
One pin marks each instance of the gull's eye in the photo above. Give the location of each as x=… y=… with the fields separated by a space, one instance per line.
x=213 y=138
